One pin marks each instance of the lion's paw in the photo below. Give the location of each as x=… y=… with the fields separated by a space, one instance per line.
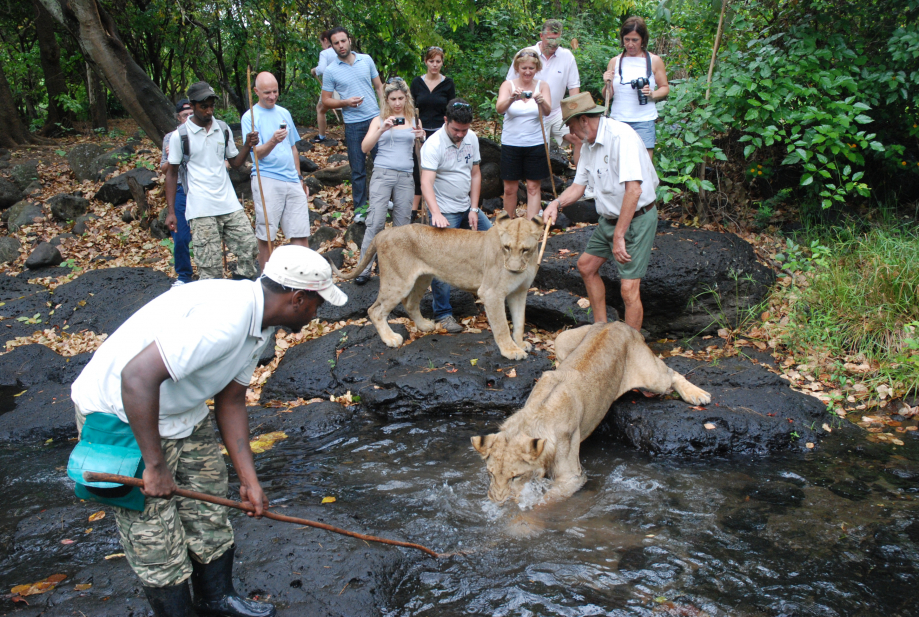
x=695 y=395
x=394 y=341
x=514 y=354
x=425 y=325
x=525 y=346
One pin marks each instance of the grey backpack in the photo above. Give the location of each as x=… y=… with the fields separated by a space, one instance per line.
x=186 y=152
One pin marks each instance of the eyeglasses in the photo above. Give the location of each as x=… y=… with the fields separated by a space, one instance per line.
x=395 y=80
x=461 y=105
x=433 y=48
x=528 y=53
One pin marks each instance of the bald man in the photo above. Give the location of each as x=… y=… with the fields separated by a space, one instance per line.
x=279 y=166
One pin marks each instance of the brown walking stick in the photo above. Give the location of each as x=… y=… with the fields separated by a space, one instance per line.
x=424 y=206
x=609 y=85
x=246 y=507
x=545 y=233
x=258 y=175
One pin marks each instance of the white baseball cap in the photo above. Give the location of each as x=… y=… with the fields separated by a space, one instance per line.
x=298 y=267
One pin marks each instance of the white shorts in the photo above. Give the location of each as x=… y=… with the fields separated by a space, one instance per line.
x=557 y=129
x=286 y=203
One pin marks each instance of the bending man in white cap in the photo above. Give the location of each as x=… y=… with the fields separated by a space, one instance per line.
x=141 y=409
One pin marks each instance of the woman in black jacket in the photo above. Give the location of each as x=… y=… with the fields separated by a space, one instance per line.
x=431 y=92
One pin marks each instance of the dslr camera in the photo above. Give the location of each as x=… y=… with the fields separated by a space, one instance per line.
x=398 y=121
x=638 y=84
x=527 y=94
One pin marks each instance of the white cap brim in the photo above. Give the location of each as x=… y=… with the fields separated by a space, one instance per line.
x=333 y=295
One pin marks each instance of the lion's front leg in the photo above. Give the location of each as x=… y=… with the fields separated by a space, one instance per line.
x=517 y=303
x=497 y=319
x=692 y=394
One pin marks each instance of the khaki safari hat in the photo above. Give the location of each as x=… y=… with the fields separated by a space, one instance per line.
x=298 y=267
x=579 y=105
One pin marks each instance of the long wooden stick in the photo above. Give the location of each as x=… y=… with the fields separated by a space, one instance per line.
x=545 y=233
x=424 y=205
x=609 y=85
x=258 y=175
x=246 y=507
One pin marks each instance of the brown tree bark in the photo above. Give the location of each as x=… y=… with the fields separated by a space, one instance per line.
x=59 y=118
x=95 y=90
x=95 y=32
x=12 y=131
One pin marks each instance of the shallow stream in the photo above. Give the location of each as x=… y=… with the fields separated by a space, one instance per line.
x=830 y=532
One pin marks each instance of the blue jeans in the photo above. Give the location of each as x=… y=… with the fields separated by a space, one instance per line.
x=354 y=135
x=439 y=289
x=181 y=237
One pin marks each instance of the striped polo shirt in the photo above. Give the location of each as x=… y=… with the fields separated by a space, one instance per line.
x=353 y=80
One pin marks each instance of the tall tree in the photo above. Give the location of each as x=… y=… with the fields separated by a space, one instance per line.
x=59 y=117
x=12 y=131
x=95 y=92
x=95 y=32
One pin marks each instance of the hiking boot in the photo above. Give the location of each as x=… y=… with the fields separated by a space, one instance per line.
x=215 y=594
x=449 y=324
x=172 y=601
x=318 y=139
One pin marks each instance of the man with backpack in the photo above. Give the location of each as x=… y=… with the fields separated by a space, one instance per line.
x=197 y=152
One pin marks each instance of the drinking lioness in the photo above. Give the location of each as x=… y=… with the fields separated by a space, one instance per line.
x=598 y=364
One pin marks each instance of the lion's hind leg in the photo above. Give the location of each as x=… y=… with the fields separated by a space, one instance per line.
x=412 y=303
x=646 y=370
x=393 y=289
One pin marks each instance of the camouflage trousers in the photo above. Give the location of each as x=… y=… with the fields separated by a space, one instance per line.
x=208 y=233
x=157 y=541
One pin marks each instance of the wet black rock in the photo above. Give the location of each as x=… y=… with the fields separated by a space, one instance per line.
x=66 y=207
x=775 y=493
x=546 y=185
x=852 y=490
x=559 y=160
x=490 y=151
x=323 y=233
x=360 y=297
x=102 y=300
x=115 y=190
x=304 y=145
x=23 y=213
x=584 y=211
x=489 y=206
x=333 y=176
x=695 y=279
x=9 y=249
x=9 y=193
x=81 y=161
x=310 y=421
x=559 y=309
x=752 y=410
x=746 y=519
x=42 y=379
x=435 y=374
x=562 y=222
x=355 y=233
x=43 y=256
x=79 y=225
x=492 y=184
x=307 y=166
x=24 y=173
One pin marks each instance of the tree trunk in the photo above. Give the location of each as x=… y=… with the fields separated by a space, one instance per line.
x=95 y=31
x=98 y=108
x=12 y=131
x=59 y=118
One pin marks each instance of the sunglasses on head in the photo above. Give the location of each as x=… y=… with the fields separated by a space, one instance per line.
x=461 y=105
x=395 y=80
x=434 y=48
x=528 y=53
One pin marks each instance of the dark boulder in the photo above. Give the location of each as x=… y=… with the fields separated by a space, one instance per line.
x=9 y=193
x=79 y=225
x=43 y=256
x=81 y=160
x=25 y=307
x=554 y=310
x=23 y=213
x=33 y=189
x=313 y=184
x=559 y=161
x=355 y=233
x=696 y=279
x=323 y=233
x=59 y=239
x=360 y=297
x=42 y=379
x=333 y=176
x=24 y=173
x=753 y=411
x=490 y=151
x=336 y=256
x=66 y=207
x=490 y=206
x=107 y=162
x=241 y=178
x=546 y=185
x=338 y=157
x=435 y=374
x=9 y=249
x=584 y=211
x=307 y=166
x=305 y=421
x=561 y=223
x=304 y=145
x=492 y=184
x=115 y=190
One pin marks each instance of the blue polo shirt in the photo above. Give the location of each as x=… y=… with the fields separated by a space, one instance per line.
x=353 y=80
x=279 y=164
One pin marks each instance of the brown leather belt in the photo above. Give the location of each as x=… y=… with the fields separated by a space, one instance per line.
x=638 y=213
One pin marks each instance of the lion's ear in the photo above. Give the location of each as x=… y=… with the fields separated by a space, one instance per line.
x=484 y=443
x=538 y=220
x=501 y=217
x=536 y=447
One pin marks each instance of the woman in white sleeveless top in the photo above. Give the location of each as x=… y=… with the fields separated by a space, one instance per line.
x=634 y=63
x=523 y=155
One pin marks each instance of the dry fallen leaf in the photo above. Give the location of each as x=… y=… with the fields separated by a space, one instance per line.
x=584 y=303
x=98 y=516
x=67 y=541
x=41 y=586
x=709 y=426
x=114 y=556
x=328 y=500
x=474 y=361
x=827 y=428
x=511 y=373
x=809 y=445
x=82 y=586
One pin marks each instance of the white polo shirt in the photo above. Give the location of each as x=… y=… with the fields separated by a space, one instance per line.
x=208 y=333
x=209 y=190
x=560 y=72
x=617 y=156
x=453 y=164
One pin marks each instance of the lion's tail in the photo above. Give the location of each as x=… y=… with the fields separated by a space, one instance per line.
x=366 y=259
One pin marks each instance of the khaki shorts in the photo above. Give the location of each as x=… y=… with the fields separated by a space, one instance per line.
x=557 y=129
x=639 y=240
x=286 y=204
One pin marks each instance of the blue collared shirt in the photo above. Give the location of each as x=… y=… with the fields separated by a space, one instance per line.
x=353 y=80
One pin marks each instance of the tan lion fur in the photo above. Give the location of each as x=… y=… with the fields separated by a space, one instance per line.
x=497 y=265
x=599 y=363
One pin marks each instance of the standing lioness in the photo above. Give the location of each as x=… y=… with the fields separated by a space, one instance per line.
x=598 y=364
x=496 y=265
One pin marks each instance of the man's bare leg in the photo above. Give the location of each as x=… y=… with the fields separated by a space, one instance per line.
x=589 y=267
x=631 y=297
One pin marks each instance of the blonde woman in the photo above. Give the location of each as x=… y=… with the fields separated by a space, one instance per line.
x=523 y=155
x=393 y=133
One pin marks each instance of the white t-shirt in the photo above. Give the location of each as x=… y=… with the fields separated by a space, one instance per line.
x=209 y=190
x=325 y=56
x=453 y=164
x=560 y=72
x=208 y=333
x=617 y=156
x=625 y=106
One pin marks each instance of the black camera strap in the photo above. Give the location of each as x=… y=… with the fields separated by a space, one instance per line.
x=647 y=62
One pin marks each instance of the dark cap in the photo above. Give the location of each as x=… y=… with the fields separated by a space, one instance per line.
x=182 y=106
x=201 y=91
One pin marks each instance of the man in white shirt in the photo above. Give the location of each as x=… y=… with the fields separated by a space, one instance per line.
x=214 y=213
x=156 y=374
x=451 y=182
x=616 y=163
x=560 y=71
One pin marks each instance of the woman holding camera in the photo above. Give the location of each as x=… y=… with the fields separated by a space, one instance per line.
x=394 y=133
x=636 y=79
x=431 y=93
x=523 y=155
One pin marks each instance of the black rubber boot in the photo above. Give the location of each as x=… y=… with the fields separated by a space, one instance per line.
x=172 y=601
x=215 y=594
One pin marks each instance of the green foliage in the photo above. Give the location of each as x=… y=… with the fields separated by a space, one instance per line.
x=795 y=259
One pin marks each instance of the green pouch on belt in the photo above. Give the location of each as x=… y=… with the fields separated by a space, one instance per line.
x=107 y=445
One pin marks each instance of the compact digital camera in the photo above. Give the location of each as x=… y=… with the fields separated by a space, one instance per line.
x=527 y=94
x=283 y=126
x=638 y=84
x=398 y=121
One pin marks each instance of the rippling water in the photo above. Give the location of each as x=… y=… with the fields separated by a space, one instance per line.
x=832 y=532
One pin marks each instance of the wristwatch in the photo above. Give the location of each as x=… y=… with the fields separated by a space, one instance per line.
x=474 y=210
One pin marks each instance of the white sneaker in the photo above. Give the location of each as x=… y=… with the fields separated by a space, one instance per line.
x=177 y=283
x=588 y=192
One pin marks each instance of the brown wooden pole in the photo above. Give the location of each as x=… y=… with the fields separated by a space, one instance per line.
x=247 y=507
x=609 y=86
x=545 y=233
x=258 y=176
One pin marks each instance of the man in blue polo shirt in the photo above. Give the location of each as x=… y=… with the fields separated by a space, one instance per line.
x=354 y=76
